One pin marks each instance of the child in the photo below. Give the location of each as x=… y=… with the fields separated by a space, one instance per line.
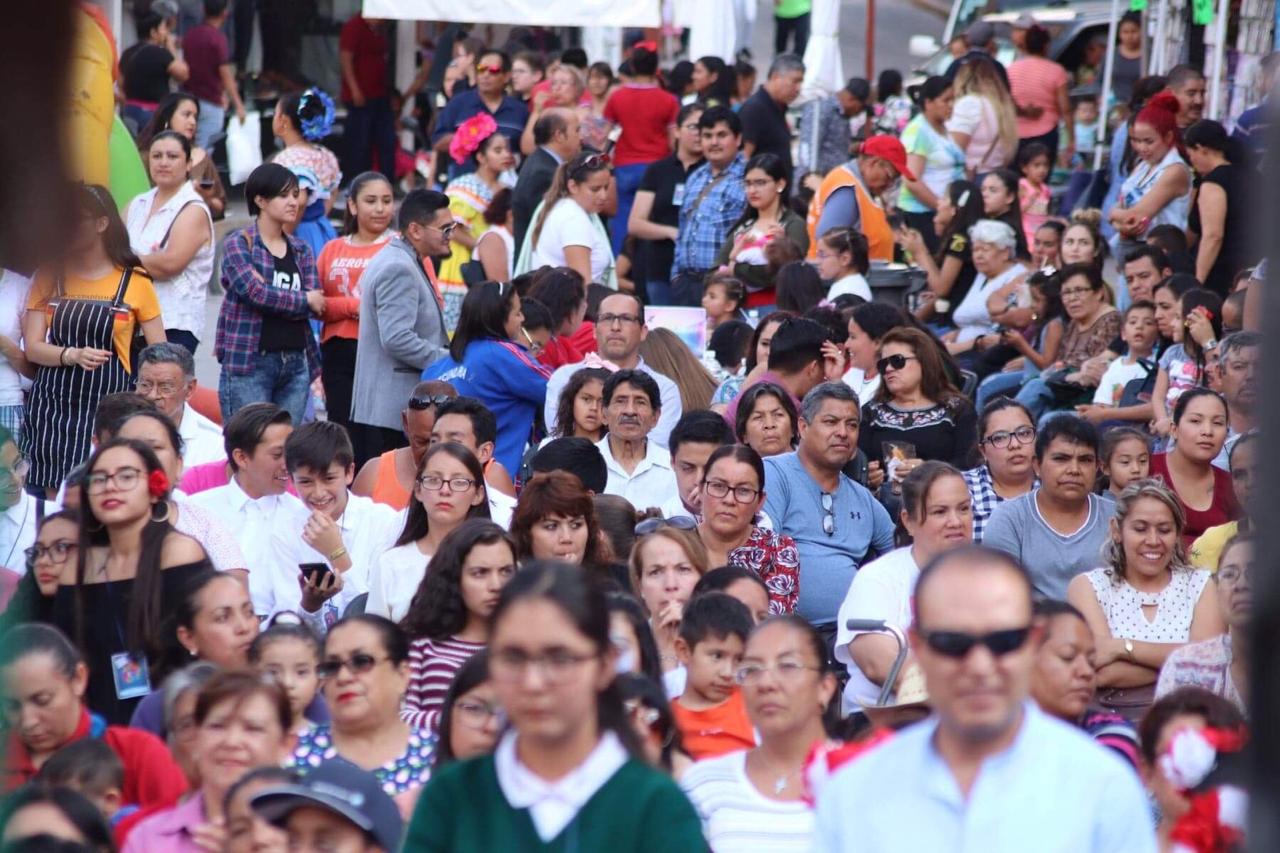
x=711 y=713
x=1126 y=457
x=90 y=767
x=1038 y=346
x=1046 y=245
x=1033 y=187
x=843 y=260
x=1185 y=364
x=1139 y=334
x=722 y=299
x=1086 y=131
x=289 y=654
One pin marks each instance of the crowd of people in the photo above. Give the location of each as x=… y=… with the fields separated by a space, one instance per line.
x=466 y=551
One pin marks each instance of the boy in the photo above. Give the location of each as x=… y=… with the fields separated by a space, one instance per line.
x=711 y=713
x=1139 y=334
x=90 y=767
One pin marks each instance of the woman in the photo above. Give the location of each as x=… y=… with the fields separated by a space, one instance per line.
x=1128 y=56
x=555 y=519
x=984 y=120
x=664 y=351
x=732 y=498
x=147 y=67
x=563 y=292
x=57 y=543
x=566 y=88
x=45 y=679
x=448 y=618
x=366 y=230
x=868 y=324
x=78 y=330
x=568 y=723
x=713 y=82
x=757 y=358
x=580 y=411
x=1082 y=241
x=242 y=722
x=495 y=248
x=767 y=218
x=171 y=231
x=448 y=489
x=949 y=271
x=932 y=156
x=666 y=563
x=180 y=112
x=843 y=261
x=132 y=570
x=36 y=813
x=180 y=691
x=993 y=249
x=916 y=405
x=365 y=672
x=767 y=421
x=566 y=230
x=798 y=287
x=1006 y=440
x=1223 y=205
x=755 y=799
x=1158 y=190
x=1146 y=601
x=301 y=120
x=596 y=126
x=1040 y=89
x=470 y=718
x=1000 y=201
x=485 y=363
x=1204 y=491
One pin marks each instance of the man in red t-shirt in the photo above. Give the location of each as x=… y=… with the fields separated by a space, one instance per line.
x=371 y=123
x=212 y=76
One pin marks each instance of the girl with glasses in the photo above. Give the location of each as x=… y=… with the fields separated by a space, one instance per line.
x=57 y=544
x=470 y=718
x=1006 y=441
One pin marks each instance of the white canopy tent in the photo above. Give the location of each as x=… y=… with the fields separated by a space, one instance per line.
x=547 y=13
x=823 y=68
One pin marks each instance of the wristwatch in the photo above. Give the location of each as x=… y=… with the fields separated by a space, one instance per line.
x=1128 y=648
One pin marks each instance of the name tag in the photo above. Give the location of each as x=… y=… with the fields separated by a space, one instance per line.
x=130 y=675
x=677 y=195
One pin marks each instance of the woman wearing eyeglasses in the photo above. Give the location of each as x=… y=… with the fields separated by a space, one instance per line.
x=754 y=799
x=767 y=217
x=732 y=498
x=666 y=563
x=570 y=773
x=449 y=488
x=566 y=230
x=57 y=544
x=448 y=618
x=470 y=718
x=365 y=671
x=1007 y=437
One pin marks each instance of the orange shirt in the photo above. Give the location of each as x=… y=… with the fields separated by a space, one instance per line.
x=340 y=266
x=716 y=730
x=140 y=301
x=386 y=488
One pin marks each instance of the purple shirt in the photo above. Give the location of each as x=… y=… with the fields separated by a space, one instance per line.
x=731 y=413
x=170 y=830
x=206 y=51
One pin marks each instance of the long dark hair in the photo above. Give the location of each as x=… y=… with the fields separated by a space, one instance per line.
x=1207 y=133
x=799 y=287
x=96 y=200
x=1199 y=297
x=966 y=198
x=722 y=90
x=935 y=384
x=771 y=165
x=350 y=224
x=747 y=406
x=163 y=115
x=484 y=316
x=564 y=425
x=630 y=607
x=777 y=318
x=437 y=610
x=579 y=169
x=473 y=672
x=28 y=604
x=416 y=523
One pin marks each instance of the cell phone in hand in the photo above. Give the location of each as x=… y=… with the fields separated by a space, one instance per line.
x=315 y=572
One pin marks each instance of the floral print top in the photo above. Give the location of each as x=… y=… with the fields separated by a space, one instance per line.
x=409 y=771
x=774 y=558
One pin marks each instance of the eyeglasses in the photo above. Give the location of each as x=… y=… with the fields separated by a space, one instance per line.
x=435 y=484
x=476 y=715
x=620 y=319
x=446 y=231
x=721 y=489
x=359 y=664
x=1075 y=291
x=510 y=665
x=1231 y=575
x=57 y=553
x=829 y=517
x=419 y=404
x=1023 y=435
x=958 y=644
x=164 y=389
x=784 y=670
x=124 y=480
x=491 y=69
x=897 y=361
x=21 y=465
x=679 y=522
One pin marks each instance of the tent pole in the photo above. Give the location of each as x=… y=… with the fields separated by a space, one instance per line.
x=871 y=39
x=1219 y=59
x=1104 y=97
x=1156 y=66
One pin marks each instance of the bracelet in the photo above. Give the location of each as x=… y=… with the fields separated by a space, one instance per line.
x=1211 y=344
x=62 y=357
x=337 y=555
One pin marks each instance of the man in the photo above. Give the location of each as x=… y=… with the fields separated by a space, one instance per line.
x=981 y=41
x=20 y=512
x=371 y=123
x=1239 y=365
x=1058 y=529
x=1253 y=128
x=694 y=439
x=402 y=327
x=393 y=485
x=1144 y=268
x=578 y=456
x=764 y=114
x=824 y=137
x=337 y=806
x=714 y=198
x=558 y=135
x=620 y=328
x=989 y=770
x=1018 y=32
x=167 y=377
x=837 y=524
x=493 y=72
x=468 y=422
x=639 y=469
x=796 y=362
x=849 y=196
x=212 y=77
x=1188 y=85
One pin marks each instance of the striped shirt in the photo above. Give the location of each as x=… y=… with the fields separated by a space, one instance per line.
x=432 y=665
x=738 y=817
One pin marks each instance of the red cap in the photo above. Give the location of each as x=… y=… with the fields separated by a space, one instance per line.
x=888 y=148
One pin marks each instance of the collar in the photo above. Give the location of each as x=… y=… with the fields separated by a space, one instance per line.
x=652 y=457
x=554 y=155
x=183 y=818
x=553 y=805
x=238 y=498
x=940 y=781
x=188 y=426
x=19 y=762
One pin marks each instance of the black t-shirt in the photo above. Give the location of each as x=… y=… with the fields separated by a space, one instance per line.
x=145 y=69
x=764 y=125
x=665 y=179
x=1238 y=249
x=957 y=247
x=281 y=334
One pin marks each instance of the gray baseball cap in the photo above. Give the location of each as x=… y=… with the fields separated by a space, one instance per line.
x=979 y=34
x=340 y=787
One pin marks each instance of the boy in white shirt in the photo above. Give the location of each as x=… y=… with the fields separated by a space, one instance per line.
x=1139 y=334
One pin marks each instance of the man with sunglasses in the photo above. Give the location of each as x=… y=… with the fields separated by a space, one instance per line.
x=989 y=770
x=388 y=478
x=493 y=72
x=402 y=326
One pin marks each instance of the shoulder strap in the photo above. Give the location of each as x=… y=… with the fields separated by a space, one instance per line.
x=164 y=241
x=706 y=190
x=124 y=286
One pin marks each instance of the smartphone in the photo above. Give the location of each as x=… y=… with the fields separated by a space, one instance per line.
x=895 y=220
x=315 y=572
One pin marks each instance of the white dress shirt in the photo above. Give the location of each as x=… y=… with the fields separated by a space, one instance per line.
x=652 y=483
x=501 y=507
x=394 y=579
x=201 y=439
x=18 y=531
x=670 y=396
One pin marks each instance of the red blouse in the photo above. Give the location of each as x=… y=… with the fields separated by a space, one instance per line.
x=1223 y=509
x=774 y=558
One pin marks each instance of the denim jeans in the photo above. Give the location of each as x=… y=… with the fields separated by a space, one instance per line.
x=628 y=179
x=282 y=378
x=1037 y=396
x=998 y=385
x=212 y=119
x=658 y=292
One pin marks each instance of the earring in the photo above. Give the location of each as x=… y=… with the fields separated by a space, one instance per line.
x=167 y=516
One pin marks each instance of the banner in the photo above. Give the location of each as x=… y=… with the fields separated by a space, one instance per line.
x=548 y=13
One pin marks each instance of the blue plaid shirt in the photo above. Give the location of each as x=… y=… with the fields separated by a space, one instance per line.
x=246 y=270
x=983 y=498
x=705 y=226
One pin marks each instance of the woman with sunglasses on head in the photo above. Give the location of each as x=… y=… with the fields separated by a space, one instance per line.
x=732 y=498
x=365 y=672
x=448 y=490
x=78 y=329
x=180 y=112
x=767 y=217
x=1006 y=441
x=666 y=563
x=471 y=721
x=448 y=618
x=755 y=799
x=57 y=543
x=552 y=665
x=566 y=230
x=766 y=420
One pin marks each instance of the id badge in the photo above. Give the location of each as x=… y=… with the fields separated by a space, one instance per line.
x=677 y=195
x=131 y=676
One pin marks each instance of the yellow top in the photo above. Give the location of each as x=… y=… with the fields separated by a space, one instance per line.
x=139 y=299
x=1207 y=550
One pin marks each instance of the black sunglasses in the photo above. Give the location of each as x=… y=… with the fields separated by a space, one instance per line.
x=896 y=361
x=420 y=403
x=958 y=644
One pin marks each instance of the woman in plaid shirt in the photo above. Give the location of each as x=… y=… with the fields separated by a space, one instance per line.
x=1007 y=437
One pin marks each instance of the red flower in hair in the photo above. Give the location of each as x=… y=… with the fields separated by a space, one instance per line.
x=157 y=484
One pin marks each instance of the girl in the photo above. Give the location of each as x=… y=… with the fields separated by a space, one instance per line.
x=1046 y=245
x=301 y=120
x=555 y=519
x=288 y=655
x=1126 y=458
x=1184 y=365
x=950 y=272
x=1033 y=188
x=580 y=411
x=496 y=246
x=567 y=722
x=366 y=228
x=448 y=618
x=843 y=260
x=470 y=718
x=766 y=219
x=722 y=299
x=1000 y=202
x=566 y=230
x=1039 y=346
x=932 y=156
x=57 y=541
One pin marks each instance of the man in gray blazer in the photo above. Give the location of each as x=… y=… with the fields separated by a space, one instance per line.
x=402 y=327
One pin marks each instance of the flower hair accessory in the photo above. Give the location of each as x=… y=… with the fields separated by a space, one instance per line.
x=318 y=126
x=470 y=135
x=157 y=484
x=1198 y=762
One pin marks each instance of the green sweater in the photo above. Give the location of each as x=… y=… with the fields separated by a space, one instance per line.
x=638 y=809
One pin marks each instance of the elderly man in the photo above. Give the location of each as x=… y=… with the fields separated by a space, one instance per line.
x=850 y=196
x=20 y=512
x=639 y=469
x=167 y=377
x=764 y=114
x=982 y=772
x=1239 y=363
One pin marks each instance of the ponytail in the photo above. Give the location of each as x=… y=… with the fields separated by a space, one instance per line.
x=577 y=170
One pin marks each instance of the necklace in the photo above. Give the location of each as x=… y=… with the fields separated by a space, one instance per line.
x=783 y=781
